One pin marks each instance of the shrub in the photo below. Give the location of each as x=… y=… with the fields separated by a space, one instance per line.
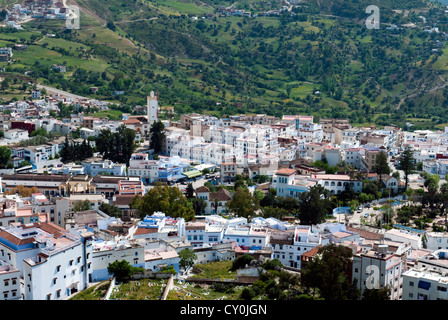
x=241 y=261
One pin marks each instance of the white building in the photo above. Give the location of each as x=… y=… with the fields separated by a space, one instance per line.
x=203 y=233
x=353 y=156
x=140 y=165
x=52 y=262
x=337 y=183
x=106 y=252
x=251 y=236
x=436 y=240
x=288 y=247
x=286 y=185
x=413 y=239
x=215 y=252
x=9 y=282
x=105 y=167
x=378 y=268
x=16 y=135
x=222 y=196
x=425 y=284
x=153 y=108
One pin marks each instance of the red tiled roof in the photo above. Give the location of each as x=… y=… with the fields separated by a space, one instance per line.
x=202 y=189
x=286 y=171
x=140 y=231
x=15 y=240
x=221 y=195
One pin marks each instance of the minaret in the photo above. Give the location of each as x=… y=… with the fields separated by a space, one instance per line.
x=153 y=108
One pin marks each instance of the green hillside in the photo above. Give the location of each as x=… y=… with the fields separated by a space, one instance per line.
x=263 y=64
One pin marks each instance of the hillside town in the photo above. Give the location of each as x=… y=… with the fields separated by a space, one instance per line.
x=58 y=234
x=35 y=9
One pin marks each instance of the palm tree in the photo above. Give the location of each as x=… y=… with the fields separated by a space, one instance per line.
x=444 y=196
x=215 y=203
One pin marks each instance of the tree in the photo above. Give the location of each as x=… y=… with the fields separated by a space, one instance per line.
x=166 y=199
x=329 y=272
x=274 y=212
x=110 y=209
x=379 y=294
x=381 y=166
x=186 y=258
x=85 y=150
x=39 y=132
x=199 y=205
x=5 y=156
x=74 y=151
x=126 y=139
x=241 y=261
x=23 y=191
x=407 y=164
x=117 y=146
x=81 y=205
x=312 y=207
x=120 y=269
x=247 y=294
x=190 y=191
x=444 y=198
x=157 y=136
x=243 y=204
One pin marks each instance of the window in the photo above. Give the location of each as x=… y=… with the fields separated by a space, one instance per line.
x=411 y=283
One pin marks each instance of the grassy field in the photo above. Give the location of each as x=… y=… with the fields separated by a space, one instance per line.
x=95 y=292
x=111 y=114
x=191 y=291
x=46 y=56
x=185 y=7
x=216 y=270
x=150 y=289
x=143 y=289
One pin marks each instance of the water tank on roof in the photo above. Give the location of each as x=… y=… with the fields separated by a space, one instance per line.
x=382 y=248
